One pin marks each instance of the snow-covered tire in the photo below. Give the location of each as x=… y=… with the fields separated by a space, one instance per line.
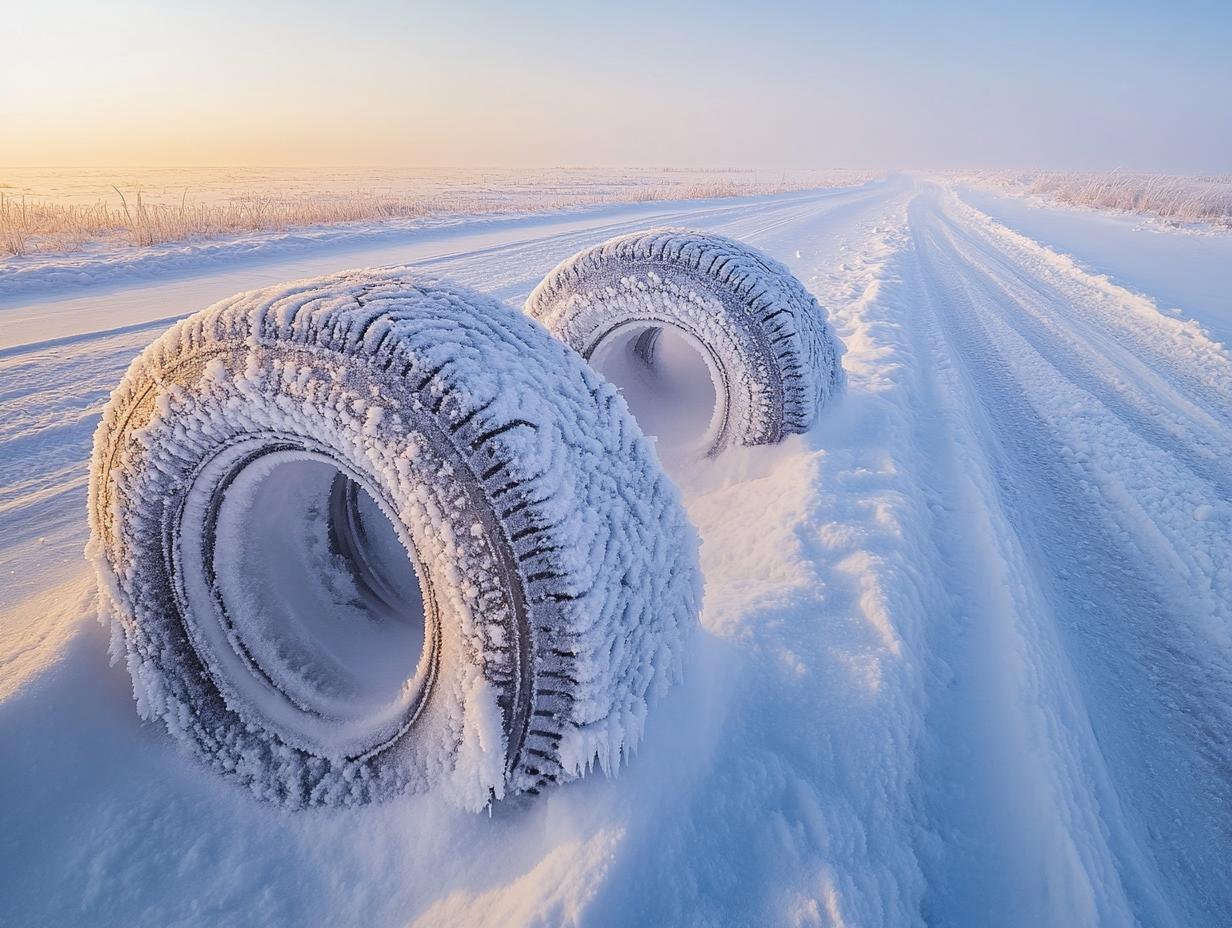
x=372 y=533
x=769 y=351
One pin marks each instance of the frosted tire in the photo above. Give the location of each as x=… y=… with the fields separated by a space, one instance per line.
x=372 y=533
x=770 y=353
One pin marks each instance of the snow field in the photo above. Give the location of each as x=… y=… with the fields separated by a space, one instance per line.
x=949 y=672
x=1169 y=197
x=1186 y=273
x=50 y=213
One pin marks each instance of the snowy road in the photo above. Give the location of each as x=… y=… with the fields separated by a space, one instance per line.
x=967 y=646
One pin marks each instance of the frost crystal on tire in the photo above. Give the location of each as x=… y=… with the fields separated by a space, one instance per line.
x=372 y=533
x=764 y=343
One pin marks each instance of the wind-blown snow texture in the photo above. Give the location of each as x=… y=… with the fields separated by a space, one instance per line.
x=963 y=657
x=501 y=453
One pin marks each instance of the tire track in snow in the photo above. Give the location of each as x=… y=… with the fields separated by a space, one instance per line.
x=1004 y=834
x=1190 y=363
x=1104 y=635
x=1143 y=398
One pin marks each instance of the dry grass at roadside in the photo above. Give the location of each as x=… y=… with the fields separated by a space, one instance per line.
x=1169 y=197
x=37 y=225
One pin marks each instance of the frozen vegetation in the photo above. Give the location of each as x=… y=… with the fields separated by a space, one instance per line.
x=1169 y=197
x=43 y=211
x=964 y=658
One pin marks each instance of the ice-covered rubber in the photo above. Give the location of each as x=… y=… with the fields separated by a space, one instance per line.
x=776 y=358
x=558 y=571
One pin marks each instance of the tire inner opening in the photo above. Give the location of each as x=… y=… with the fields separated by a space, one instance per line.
x=322 y=600
x=670 y=383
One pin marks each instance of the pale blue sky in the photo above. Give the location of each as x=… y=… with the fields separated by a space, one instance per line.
x=790 y=84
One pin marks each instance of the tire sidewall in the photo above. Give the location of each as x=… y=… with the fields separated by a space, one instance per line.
x=322 y=402
x=617 y=293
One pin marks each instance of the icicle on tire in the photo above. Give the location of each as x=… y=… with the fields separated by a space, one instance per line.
x=372 y=533
x=713 y=343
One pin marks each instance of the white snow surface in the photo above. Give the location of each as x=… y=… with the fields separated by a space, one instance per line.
x=1187 y=272
x=965 y=656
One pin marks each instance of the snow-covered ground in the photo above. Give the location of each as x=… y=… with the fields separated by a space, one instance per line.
x=1174 y=200
x=60 y=225
x=1188 y=273
x=966 y=654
